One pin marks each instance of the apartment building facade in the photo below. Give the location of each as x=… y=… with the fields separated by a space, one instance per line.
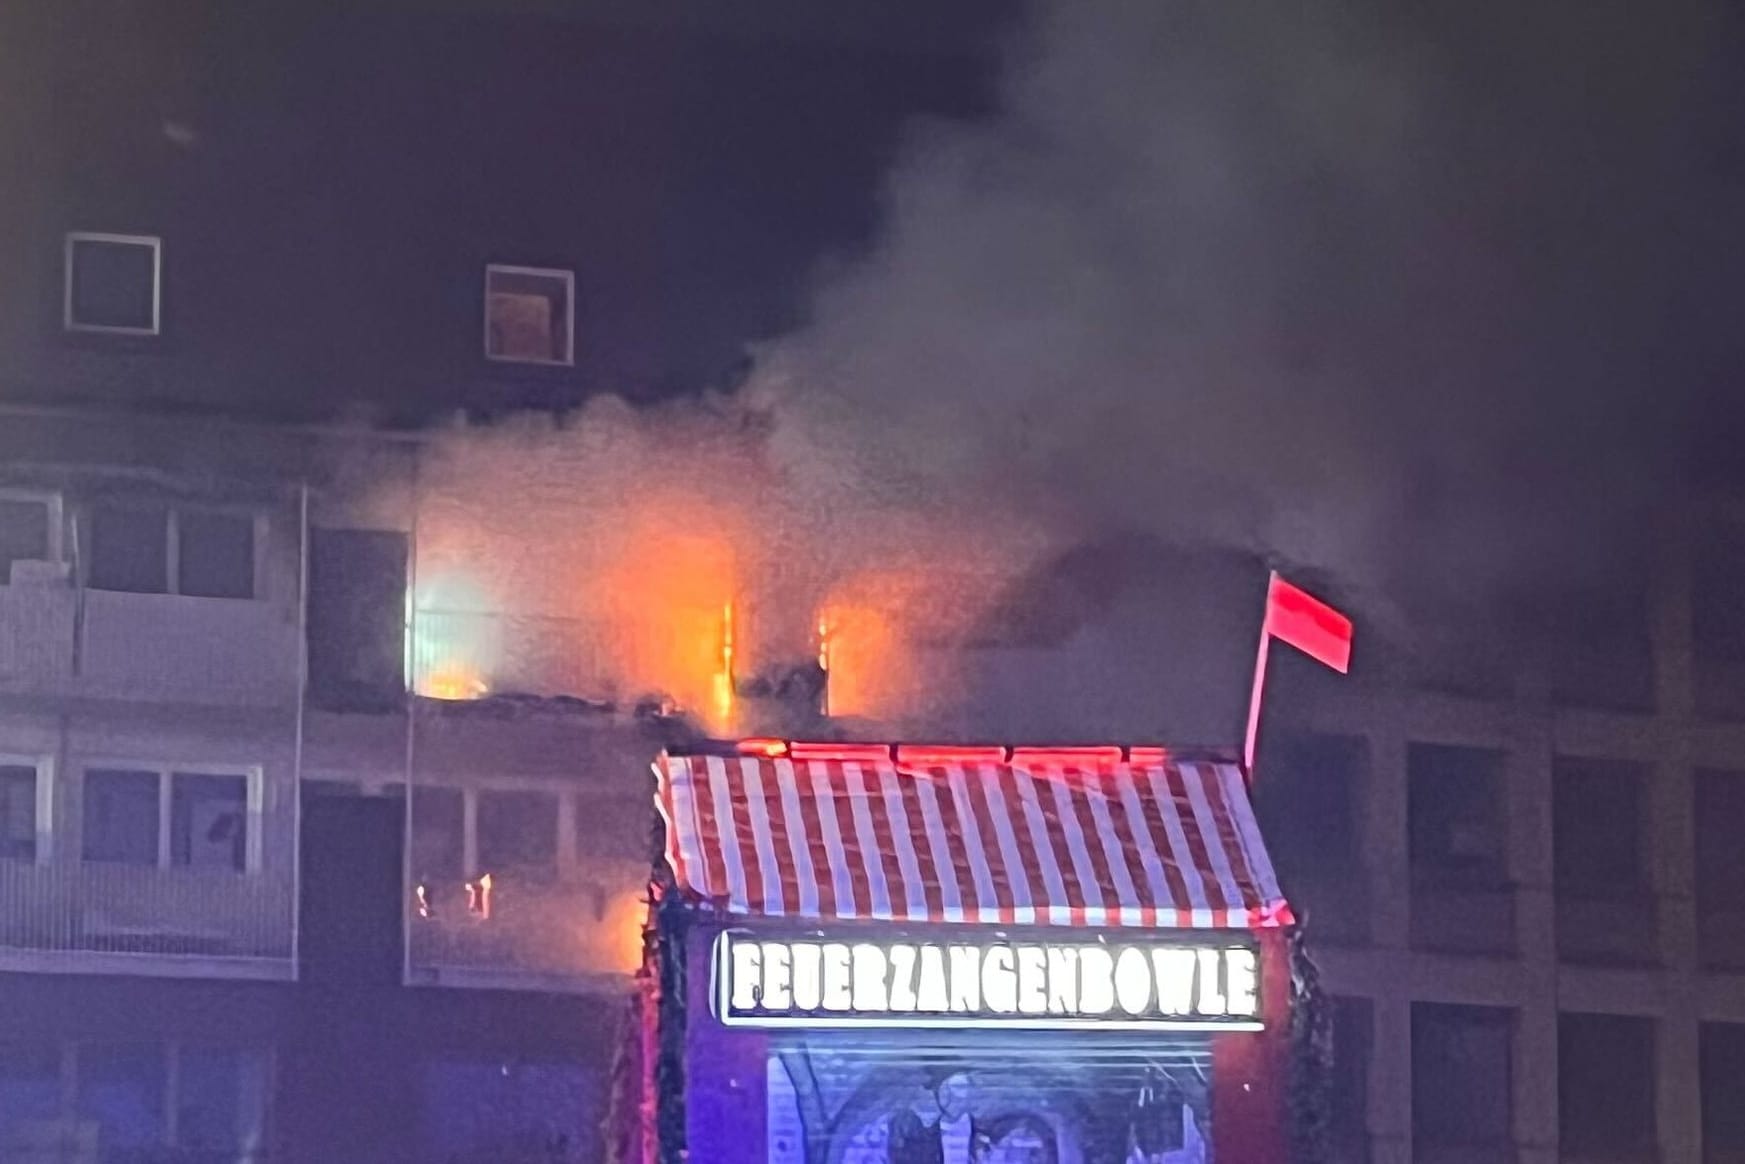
x=243 y=908
x=260 y=900
x=1524 y=886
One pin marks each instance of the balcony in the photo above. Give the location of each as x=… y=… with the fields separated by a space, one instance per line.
x=129 y=919
x=580 y=932
x=61 y=642
x=463 y=655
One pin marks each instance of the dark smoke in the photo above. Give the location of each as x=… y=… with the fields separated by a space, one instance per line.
x=1414 y=295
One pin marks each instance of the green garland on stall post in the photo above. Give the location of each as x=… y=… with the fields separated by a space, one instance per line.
x=664 y=956
x=669 y=1074
x=1310 y=1094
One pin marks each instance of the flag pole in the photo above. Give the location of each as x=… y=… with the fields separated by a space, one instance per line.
x=1257 y=690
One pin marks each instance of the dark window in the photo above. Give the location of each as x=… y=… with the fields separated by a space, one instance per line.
x=1602 y=654
x=1605 y=1084
x=214 y=554
x=517 y=832
x=1461 y=1074
x=17 y=812
x=1597 y=827
x=528 y=315
x=208 y=821
x=112 y=283
x=1454 y=804
x=1720 y=823
x=129 y=549
x=493 y=1109
x=30 y=1097
x=614 y=826
x=219 y=1096
x=121 y=1090
x=1718 y=570
x=357 y=619
x=1353 y=1033
x=24 y=533
x=437 y=835
x=121 y=816
x=1721 y=1051
x=1309 y=799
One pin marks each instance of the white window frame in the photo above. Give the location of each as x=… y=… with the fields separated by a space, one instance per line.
x=569 y=283
x=56 y=518
x=254 y=797
x=564 y=859
x=170 y=1051
x=155 y=242
x=45 y=831
x=173 y=546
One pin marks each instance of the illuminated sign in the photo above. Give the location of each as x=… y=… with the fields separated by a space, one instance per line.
x=1026 y=985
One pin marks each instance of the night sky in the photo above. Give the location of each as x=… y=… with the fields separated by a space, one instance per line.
x=1304 y=281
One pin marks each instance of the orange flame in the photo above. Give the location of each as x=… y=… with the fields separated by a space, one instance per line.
x=453 y=682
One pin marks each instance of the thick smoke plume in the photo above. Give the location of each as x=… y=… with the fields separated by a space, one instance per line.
x=1405 y=296
x=1401 y=292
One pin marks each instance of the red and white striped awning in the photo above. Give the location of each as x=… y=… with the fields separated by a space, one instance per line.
x=1015 y=837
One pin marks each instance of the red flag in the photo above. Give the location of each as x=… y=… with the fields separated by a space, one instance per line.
x=1308 y=624
x=1305 y=622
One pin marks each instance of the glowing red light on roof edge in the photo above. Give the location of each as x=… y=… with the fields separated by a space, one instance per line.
x=849 y=753
x=940 y=755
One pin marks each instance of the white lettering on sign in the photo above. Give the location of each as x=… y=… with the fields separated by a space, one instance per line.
x=762 y=982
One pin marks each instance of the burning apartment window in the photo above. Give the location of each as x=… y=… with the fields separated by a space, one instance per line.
x=29 y=530
x=1605 y=1086
x=17 y=812
x=1597 y=822
x=1454 y=807
x=518 y=833
x=1462 y=1079
x=113 y=283
x=529 y=315
x=121 y=816
x=209 y=821
x=158 y=550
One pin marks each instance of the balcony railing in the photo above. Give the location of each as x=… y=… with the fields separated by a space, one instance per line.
x=464 y=655
x=126 y=911
x=581 y=929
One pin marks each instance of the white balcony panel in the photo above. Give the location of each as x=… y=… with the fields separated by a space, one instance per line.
x=109 y=918
x=197 y=650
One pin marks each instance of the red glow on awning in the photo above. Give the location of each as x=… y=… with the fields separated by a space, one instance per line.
x=942 y=755
x=1070 y=757
x=763 y=746
x=842 y=753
